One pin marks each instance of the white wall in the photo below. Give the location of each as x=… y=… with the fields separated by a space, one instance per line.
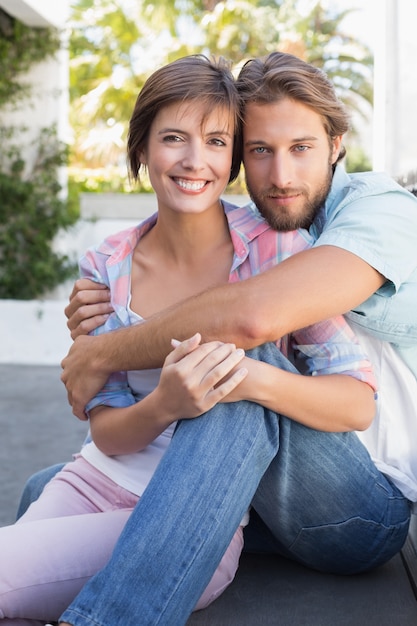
x=38 y=13
x=49 y=80
x=395 y=95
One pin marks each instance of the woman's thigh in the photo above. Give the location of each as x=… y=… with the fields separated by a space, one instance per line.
x=62 y=540
x=46 y=562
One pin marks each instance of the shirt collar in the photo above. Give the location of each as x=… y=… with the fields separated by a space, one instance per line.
x=245 y=224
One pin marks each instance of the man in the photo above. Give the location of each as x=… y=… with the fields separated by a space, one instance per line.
x=324 y=501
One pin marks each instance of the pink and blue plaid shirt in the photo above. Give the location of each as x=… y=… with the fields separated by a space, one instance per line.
x=328 y=347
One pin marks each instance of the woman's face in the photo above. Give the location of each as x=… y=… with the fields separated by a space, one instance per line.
x=189 y=156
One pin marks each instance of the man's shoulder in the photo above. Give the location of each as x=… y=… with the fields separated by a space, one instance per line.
x=350 y=187
x=366 y=196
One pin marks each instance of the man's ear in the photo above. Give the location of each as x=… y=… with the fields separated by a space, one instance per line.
x=337 y=146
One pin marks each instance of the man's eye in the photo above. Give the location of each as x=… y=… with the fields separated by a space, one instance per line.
x=301 y=148
x=260 y=150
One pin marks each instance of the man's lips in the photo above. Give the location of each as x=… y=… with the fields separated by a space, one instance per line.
x=283 y=198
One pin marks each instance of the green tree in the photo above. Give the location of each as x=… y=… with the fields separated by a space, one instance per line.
x=116 y=44
x=20 y=47
x=32 y=210
x=31 y=215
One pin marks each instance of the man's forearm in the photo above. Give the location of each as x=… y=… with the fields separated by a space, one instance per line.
x=309 y=287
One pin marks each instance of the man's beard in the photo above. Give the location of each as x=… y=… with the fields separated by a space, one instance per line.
x=282 y=220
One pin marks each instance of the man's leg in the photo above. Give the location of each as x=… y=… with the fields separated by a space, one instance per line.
x=327 y=505
x=183 y=523
x=34 y=487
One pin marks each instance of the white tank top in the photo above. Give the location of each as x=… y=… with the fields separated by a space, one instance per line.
x=133 y=471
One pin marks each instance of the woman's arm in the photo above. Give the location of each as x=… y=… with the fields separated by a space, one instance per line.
x=335 y=402
x=310 y=286
x=193 y=379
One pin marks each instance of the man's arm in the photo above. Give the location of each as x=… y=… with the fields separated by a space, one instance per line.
x=311 y=286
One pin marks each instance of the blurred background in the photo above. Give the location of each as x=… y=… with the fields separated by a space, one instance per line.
x=70 y=72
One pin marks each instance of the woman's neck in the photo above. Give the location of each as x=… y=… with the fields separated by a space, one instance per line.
x=185 y=238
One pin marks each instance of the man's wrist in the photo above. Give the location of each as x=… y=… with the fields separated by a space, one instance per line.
x=103 y=354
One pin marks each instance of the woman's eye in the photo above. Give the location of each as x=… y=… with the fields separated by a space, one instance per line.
x=218 y=142
x=172 y=138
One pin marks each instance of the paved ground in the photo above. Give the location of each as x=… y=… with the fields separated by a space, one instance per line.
x=38 y=429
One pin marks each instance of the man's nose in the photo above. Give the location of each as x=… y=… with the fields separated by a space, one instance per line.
x=281 y=171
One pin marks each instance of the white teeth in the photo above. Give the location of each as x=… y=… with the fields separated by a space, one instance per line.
x=190 y=185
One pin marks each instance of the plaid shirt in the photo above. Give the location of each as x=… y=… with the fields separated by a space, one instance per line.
x=328 y=347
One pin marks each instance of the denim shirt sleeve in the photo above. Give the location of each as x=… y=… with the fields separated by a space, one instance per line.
x=373 y=217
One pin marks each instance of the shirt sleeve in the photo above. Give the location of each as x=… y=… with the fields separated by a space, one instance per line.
x=331 y=347
x=116 y=392
x=379 y=228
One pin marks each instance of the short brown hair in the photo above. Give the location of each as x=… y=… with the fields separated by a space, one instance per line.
x=189 y=78
x=281 y=75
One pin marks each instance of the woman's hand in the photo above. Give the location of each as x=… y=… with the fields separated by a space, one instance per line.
x=197 y=376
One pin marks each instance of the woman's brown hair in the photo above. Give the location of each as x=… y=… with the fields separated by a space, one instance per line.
x=188 y=79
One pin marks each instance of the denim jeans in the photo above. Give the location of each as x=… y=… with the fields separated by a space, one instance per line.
x=318 y=497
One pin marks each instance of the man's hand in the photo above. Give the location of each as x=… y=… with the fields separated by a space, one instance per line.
x=89 y=307
x=81 y=376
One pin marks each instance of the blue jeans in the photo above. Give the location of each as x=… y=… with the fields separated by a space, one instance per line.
x=318 y=498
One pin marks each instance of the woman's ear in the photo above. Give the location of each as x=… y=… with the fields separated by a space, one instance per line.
x=142 y=157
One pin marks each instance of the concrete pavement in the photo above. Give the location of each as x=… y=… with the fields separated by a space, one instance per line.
x=37 y=428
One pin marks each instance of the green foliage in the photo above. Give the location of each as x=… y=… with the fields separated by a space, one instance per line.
x=106 y=180
x=20 y=47
x=31 y=209
x=115 y=45
x=357 y=160
x=31 y=214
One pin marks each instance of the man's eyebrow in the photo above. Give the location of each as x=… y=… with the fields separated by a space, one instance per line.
x=262 y=142
x=257 y=142
x=306 y=138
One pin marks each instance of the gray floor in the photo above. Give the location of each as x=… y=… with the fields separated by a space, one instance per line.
x=38 y=430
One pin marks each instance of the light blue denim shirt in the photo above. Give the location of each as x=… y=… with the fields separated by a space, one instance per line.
x=373 y=217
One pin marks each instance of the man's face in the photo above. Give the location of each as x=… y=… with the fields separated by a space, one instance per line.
x=288 y=162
